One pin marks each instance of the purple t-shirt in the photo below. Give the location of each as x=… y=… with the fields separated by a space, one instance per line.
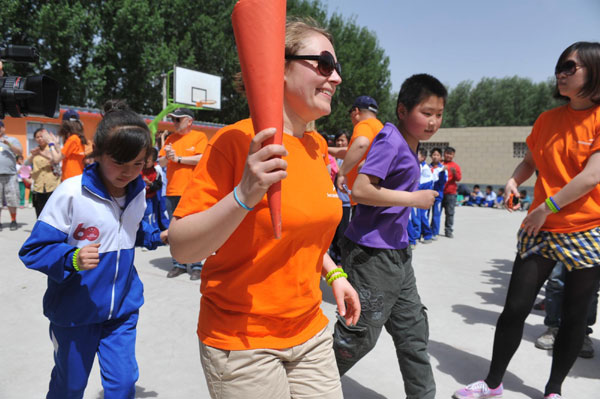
x=390 y=159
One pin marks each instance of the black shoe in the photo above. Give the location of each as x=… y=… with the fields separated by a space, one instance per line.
x=587 y=350
x=13 y=225
x=449 y=235
x=195 y=274
x=176 y=271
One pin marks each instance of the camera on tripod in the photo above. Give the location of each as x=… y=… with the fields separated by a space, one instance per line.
x=20 y=96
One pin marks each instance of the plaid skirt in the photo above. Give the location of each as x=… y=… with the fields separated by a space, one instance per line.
x=578 y=250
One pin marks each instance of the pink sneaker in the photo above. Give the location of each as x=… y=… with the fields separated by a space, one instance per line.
x=553 y=396
x=478 y=390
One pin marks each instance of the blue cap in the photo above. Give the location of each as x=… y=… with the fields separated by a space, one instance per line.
x=366 y=102
x=70 y=115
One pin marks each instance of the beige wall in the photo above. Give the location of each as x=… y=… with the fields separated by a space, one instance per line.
x=485 y=154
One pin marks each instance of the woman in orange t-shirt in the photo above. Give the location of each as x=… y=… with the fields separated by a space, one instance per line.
x=563 y=222
x=73 y=151
x=261 y=329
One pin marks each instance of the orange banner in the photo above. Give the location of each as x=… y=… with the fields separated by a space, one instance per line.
x=259 y=29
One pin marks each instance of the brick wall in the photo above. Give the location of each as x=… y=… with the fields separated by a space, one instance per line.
x=485 y=154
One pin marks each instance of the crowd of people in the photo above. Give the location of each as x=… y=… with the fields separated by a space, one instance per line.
x=261 y=329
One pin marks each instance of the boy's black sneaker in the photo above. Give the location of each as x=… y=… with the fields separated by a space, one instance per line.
x=449 y=235
x=13 y=226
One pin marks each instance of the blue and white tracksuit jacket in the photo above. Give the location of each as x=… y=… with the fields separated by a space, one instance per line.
x=419 y=218
x=81 y=212
x=438 y=185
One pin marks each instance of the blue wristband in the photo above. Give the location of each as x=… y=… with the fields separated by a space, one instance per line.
x=240 y=203
x=554 y=202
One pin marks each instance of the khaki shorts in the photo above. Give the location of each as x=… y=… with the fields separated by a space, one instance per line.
x=304 y=371
x=9 y=190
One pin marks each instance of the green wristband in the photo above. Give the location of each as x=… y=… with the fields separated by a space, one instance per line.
x=75 y=266
x=551 y=205
x=335 y=277
x=339 y=269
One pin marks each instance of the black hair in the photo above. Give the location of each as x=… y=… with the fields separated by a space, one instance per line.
x=417 y=88
x=343 y=133
x=423 y=152
x=589 y=57
x=39 y=129
x=122 y=134
x=434 y=149
x=69 y=128
x=450 y=150
x=153 y=153
x=489 y=188
x=523 y=193
x=476 y=186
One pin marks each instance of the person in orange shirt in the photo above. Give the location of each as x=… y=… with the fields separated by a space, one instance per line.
x=366 y=126
x=180 y=154
x=563 y=222
x=261 y=328
x=73 y=150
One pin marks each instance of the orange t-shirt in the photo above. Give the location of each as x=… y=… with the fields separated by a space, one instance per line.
x=561 y=142
x=178 y=174
x=74 y=152
x=369 y=129
x=259 y=292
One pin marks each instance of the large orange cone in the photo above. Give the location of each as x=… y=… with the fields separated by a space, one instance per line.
x=259 y=29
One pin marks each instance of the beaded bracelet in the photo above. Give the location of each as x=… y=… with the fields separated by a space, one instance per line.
x=240 y=203
x=75 y=266
x=551 y=205
x=335 y=277
x=339 y=269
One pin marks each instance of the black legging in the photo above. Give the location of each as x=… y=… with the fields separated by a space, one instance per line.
x=527 y=279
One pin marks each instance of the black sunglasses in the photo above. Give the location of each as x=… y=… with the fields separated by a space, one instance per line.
x=326 y=62
x=568 y=68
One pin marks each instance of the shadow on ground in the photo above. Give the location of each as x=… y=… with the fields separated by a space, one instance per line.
x=164 y=264
x=354 y=390
x=466 y=368
x=140 y=392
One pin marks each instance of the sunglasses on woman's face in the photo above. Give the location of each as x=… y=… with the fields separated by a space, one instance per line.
x=568 y=68
x=326 y=63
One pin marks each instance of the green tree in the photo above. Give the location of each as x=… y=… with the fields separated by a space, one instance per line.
x=101 y=49
x=511 y=101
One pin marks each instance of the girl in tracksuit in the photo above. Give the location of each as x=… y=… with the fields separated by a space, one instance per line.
x=84 y=241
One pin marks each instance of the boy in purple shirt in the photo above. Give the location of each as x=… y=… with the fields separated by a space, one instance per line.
x=375 y=248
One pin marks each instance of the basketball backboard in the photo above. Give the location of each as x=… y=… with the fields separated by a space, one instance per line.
x=196 y=88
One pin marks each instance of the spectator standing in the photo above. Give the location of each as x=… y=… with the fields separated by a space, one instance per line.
x=73 y=150
x=45 y=174
x=440 y=174
x=363 y=114
x=449 y=200
x=555 y=287
x=24 y=180
x=180 y=154
x=10 y=149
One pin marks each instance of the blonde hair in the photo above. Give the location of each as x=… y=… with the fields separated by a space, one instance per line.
x=296 y=30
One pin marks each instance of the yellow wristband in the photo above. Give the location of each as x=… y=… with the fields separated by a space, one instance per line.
x=339 y=269
x=335 y=277
x=75 y=266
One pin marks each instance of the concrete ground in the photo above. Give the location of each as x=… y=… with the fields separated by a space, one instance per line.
x=462 y=281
